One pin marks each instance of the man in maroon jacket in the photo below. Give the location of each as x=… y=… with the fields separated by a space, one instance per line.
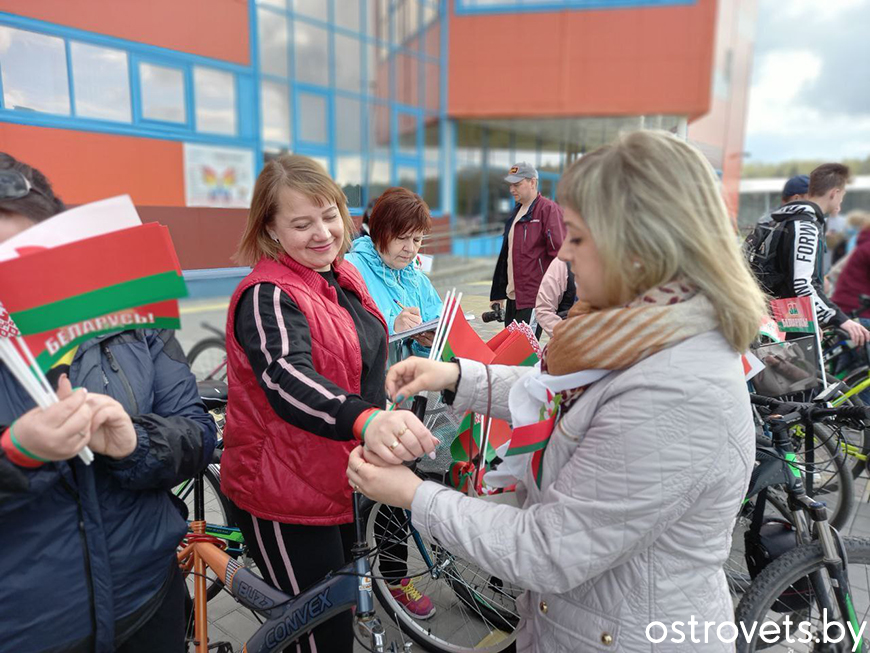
x=532 y=237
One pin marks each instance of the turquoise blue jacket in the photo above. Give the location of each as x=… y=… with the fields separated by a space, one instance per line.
x=410 y=286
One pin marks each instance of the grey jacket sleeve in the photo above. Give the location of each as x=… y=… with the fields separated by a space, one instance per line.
x=648 y=453
x=472 y=391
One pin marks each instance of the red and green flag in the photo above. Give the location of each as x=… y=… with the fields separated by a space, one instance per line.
x=92 y=277
x=466 y=445
x=50 y=346
x=463 y=342
x=534 y=438
x=125 y=279
x=794 y=314
x=515 y=349
x=460 y=475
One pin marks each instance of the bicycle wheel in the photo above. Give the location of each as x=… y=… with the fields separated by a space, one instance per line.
x=473 y=610
x=218 y=520
x=833 y=482
x=859 y=438
x=208 y=360
x=783 y=591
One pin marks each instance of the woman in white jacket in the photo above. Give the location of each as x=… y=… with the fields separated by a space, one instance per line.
x=629 y=502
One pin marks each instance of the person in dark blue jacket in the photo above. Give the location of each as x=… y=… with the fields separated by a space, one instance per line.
x=89 y=558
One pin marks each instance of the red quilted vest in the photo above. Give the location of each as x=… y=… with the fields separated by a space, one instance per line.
x=269 y=467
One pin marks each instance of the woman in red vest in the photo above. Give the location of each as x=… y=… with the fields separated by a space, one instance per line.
x=306 y=357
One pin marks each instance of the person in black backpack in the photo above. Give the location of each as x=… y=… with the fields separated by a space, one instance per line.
x=795 y=188
x=789 y=260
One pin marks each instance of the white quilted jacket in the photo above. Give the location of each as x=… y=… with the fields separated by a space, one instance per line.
x=643 y=479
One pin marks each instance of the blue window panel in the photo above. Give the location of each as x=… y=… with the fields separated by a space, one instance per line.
x=273 y=42
x=164 y=93
x=34 y=70
x=408 y=176
x=348 y=63
x=349 y=176
x=318 y=9
x=408 y=134
x=432 y=187
x=347 y=14
x=348 y=124
x=312 y=118
x=378 y=179
x=311 y=52
x=380 y=129
x=466 y=7
x=101 y=79
x=215 y=95
x=275 y=110
x=120 y=111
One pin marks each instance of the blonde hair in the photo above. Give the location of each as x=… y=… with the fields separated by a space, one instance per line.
x=858 y=219
x=653 y=199
x=298 y=173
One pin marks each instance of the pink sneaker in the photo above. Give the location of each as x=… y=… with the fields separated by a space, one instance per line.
x=409 y=597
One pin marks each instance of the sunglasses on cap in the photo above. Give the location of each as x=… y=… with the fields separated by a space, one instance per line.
x=14 y=185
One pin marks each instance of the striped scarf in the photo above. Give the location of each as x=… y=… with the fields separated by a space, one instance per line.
x=617 y=338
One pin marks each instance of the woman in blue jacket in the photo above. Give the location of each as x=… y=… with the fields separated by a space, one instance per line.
x=89 y=552
x=386 y=257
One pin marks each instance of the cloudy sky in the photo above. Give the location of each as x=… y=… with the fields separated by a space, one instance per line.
x=810 y=94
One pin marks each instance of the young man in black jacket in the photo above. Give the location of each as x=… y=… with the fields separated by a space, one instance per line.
x=802 y=246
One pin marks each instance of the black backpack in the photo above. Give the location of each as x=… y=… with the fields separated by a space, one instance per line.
x=762 y=251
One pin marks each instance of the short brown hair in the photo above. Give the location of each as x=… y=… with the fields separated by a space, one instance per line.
x=396 y=213
x=39 y=204
x=298 y=173
x=827 y=177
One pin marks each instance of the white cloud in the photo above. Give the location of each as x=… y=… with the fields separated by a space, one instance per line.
x=779 y=80
x=815 y=10
x=810 y=96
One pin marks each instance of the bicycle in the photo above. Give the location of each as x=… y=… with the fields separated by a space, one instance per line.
x=483 y=605
x=828 y=480
x=811 y=581
x=287 y=619
x=208 y=357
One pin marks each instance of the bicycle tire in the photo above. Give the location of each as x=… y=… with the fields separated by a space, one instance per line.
x=771 y=584
x=212 y=369
x=479 y=631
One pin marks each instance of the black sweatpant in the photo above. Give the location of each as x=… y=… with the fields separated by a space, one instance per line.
x=293 y=557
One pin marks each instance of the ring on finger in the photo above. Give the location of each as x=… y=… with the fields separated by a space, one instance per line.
x=394 y=445
x=402 y=432
x=358 y=467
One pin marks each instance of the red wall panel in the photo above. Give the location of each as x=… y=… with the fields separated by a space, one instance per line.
x=575 y=63
x=86 y=166
x=210 y=28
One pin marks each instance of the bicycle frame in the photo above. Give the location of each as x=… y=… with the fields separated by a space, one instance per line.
x=287 y=618
x=777 y=468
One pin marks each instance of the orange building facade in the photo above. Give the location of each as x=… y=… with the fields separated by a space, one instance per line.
x=179 y=104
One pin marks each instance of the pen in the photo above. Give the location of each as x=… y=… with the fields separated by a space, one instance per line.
x=399 y=305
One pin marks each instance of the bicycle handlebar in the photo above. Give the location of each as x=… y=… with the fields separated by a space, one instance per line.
x=811 y=411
